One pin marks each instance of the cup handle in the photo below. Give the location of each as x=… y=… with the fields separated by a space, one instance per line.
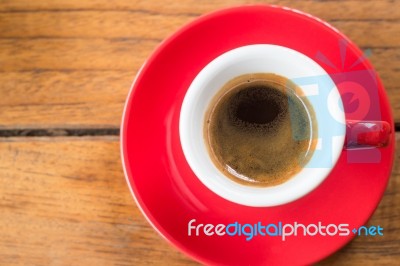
x=367 y=134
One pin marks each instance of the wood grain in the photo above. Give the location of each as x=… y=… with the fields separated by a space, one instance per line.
x=330 y=9
x=64 y=201
x=63 y=99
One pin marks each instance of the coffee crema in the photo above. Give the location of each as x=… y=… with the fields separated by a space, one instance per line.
x=260 y=129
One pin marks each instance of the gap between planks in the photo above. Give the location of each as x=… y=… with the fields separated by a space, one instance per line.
x=74 y=132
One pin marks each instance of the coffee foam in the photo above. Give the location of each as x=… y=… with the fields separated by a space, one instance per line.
x=253 y=146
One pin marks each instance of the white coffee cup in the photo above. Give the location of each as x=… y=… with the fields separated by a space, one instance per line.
x=261 y=58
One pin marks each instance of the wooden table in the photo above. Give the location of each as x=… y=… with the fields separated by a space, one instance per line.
x=65 y=69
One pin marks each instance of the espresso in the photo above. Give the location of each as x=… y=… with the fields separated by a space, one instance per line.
x=259 y=129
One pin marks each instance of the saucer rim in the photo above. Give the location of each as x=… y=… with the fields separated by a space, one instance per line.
x=141 y=205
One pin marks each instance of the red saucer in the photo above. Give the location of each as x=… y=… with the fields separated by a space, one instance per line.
x=169 y=193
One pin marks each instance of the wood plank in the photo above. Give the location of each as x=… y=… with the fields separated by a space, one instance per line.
x=63 y=99
x=64 y=201
x=82 y=54
x=352 y=9
x=90 y=24
x=138 y=25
